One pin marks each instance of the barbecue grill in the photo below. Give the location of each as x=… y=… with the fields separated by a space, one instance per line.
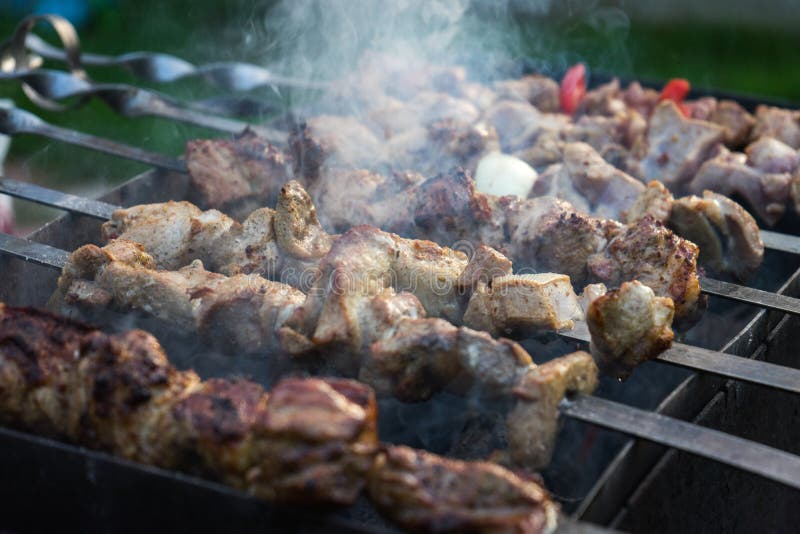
x=601 y=476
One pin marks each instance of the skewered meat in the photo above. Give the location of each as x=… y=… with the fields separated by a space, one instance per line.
x=522 y=303
x=676 y=146
x=589 y=183
x=727 y=173
x=655 y=201
x=543 y=233
x=307 y=441
x=425 y=356
x=738 y=123
x=628 y=326
x=248 y=313
x=782 y=124
x=770 y=155
x=235 y=176
x=424 y=492
x=727 y=235
x=650 y=250
x=536 y=412
x=241 y=311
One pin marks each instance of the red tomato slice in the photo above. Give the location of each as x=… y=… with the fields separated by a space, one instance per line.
x=573 y=88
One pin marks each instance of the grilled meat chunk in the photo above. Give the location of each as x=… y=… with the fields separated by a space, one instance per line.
x=522 y=303
x=533 y=423
x=235 y=176
x=738 y=123
x=309 y=441
x=424 y=356
x=655 y=201
x=298 y=232
x=727 y=173
x=177 y=233
x=589 y=183
x=772 y=156
x=676 y=147
x=426 y=493
x=782 y=124
x=241 y=311
x=649 y=253
x=629 y=325
x=727 y=235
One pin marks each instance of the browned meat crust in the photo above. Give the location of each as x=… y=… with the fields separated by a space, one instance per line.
x=307 y=441
x=310 y=440
x=426 y=493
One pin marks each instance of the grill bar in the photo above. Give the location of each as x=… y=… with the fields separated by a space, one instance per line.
x=16 y=121
x=749 y=295
x=766 y=374
x=753 y=457
x=720 y=363
x=740 y=453
x=56 y=199
x=36 y=253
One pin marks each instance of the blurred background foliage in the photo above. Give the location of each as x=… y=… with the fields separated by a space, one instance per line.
x=732 y=53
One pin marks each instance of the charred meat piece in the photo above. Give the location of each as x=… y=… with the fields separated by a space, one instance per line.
x=727 y=235
x=533 y=423
x=727 y=172
x=676 y=147
x=629 y=325
x=427 y=493
x=651 y=254
x=523 y=303
x=309 y=441
x=235 y=176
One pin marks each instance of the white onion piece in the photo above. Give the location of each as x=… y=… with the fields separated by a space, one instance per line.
x=501 y=174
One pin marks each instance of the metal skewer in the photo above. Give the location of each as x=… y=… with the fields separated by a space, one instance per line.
x=130 y=101
x=737 y=452
x=719 y=363
x=165 y=68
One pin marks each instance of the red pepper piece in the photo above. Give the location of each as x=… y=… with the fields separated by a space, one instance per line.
x=676 y=90
x=573 y=88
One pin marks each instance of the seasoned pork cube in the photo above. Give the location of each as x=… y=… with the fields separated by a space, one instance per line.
x=655 y=201
x=533 y=423
x=427 y=493
x=523 y=303
x=629 y=325
x=727 y=235
x=676 y=147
